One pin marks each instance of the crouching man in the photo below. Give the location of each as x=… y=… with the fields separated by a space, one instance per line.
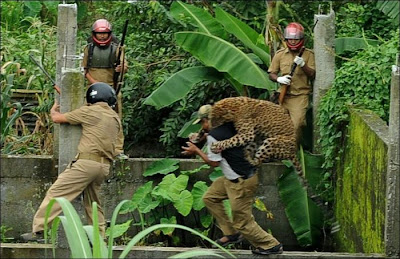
x=238 y=184
x=100 y=128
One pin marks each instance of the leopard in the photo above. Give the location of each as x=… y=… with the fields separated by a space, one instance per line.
x=264 y=129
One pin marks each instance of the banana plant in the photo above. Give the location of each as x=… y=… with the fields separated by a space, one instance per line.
x=221 y=58
x=304 y=216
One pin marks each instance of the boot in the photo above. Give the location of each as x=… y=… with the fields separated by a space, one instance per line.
x=33 y=237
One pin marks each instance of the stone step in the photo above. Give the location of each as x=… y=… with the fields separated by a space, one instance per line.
x=23 y=250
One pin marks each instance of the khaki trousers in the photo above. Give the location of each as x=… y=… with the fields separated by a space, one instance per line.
x=82 y=176
x=241 y=197
x=119 y=147
x=297 y=106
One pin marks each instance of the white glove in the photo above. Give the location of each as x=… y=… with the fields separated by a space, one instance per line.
x=285 y=80
x=299 y=61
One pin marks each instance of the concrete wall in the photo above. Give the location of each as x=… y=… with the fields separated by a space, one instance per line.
x=361 y=185
x=24 y=181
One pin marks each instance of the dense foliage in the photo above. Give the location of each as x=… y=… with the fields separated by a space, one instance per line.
x=153 y=56
x=363 y=81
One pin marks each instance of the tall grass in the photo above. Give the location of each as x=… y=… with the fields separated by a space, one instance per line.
x=79 y=236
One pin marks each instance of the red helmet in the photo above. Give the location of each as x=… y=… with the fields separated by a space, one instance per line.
x=102 y=26
x=294 y=30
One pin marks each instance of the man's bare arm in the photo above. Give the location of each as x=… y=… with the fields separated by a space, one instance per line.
x=56 y=115
x=192 y=149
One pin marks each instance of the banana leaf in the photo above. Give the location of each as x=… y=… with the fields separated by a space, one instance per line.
x=352 y=44
x=390 y=8
x=244 y=33
x=305 y=217
x=189 y=127
x=198 y=17
x=225 y=57
x=179 y=84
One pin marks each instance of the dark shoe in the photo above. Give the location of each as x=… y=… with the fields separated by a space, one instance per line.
x=232 y=239
x=33 y=237
x=278 y=249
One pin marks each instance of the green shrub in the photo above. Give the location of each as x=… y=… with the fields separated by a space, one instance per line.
x=363 y=81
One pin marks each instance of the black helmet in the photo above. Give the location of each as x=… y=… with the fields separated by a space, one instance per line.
x=101 y=92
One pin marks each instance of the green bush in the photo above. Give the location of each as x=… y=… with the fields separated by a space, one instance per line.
x=363 y=81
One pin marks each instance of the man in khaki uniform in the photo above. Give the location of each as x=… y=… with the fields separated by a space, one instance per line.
x=297 y=97
x=239 y=185
x=96 y=150
x=98 y=61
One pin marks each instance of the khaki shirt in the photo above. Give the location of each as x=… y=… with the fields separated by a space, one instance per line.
x=282 y=63
x=100 y=128
x=104 y=75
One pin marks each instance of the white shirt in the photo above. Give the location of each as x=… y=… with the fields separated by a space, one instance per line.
x=226 y=168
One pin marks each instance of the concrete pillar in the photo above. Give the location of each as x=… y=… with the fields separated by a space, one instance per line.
x=324 y=39
x=72 y=97
x=66 y=48
x=392 y=224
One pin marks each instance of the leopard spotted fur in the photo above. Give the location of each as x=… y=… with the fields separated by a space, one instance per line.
x=264 y=129
x=256 y=121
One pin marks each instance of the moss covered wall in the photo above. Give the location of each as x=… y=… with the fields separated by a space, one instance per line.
x=361 y=185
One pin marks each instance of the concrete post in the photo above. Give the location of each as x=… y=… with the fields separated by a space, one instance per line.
x=392 y=220
x=66 y=48
x=324 y=39
x=72 y=97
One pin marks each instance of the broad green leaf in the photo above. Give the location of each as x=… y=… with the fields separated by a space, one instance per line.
x=163 y=166
x=149 y=230
x=304 y=216
x=240 y=89
x=244 y=33
x=228 y=208
x=352 y=44
x=198 y=17
x=183 y=203
x=216 y=174
x=120 y=229
x=128 y=207
x=189 y=127
x=139 y=199
x=196 y=170
x=170 y=230
x=179 y=84
x=147 y=204
x=171 y=185
x=34 y=7
x=206 y=220
x=199 y=188
x=390 y=8
x=313 y=164
x=225 y=57
x=142 y=192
